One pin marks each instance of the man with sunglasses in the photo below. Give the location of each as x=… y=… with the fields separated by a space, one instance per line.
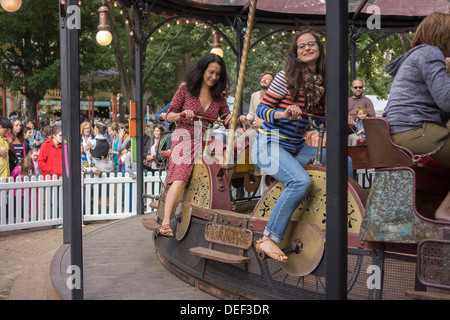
x=356 y=100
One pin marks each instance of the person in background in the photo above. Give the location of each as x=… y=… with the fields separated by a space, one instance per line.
x=36 y=139
x=265 y=79
x=113 y=130
x=358 y=135
x=5 y=125
x=356 y=100
x=99 y=149
x=86 y=133
x=122 y=144
x=33 y=154
x=26 y=139
x=151 y=149
x=129 y=165
x=17 y=135
x=50 y=154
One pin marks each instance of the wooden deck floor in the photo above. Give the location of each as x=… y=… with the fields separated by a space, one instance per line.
x=120 y=263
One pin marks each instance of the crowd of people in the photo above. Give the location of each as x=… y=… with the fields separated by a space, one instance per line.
x=105 y=147
x=21 y=145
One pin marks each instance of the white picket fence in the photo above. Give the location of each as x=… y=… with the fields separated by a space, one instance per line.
x=38 y=202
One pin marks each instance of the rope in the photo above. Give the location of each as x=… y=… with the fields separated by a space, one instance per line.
x=240 y=83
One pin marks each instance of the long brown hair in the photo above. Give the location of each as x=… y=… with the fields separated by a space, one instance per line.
x=294 y=66
x=434 y=30
x=26 y=166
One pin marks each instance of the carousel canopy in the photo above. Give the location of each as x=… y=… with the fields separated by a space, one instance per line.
x=273 y=14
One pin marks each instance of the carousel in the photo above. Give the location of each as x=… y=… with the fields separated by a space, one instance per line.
x=343 y=240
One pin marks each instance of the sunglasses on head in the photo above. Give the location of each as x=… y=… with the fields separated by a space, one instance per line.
x=358 y=87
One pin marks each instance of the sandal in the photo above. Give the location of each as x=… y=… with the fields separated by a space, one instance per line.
x=165 y=230
x=276 y=255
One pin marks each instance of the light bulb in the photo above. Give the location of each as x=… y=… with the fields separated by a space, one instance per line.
x=104 y=37
x=217 y=51
x=11 y=5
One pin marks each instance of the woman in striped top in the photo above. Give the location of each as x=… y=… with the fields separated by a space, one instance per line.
x=280 y=150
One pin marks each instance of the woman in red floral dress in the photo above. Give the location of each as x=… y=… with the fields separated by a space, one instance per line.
x=200 y=95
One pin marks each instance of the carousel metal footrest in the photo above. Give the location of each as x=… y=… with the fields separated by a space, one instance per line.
x=154 y=204
x=433 y=263
x=225 y=235
x=218 y=255
x=150 y=224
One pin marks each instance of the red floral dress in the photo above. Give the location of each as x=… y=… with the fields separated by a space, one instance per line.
x=187 y=139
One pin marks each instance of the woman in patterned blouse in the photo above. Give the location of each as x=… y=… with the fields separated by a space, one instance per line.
x=201 y=95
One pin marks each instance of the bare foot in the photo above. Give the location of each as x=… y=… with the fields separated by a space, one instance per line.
x=270 y=248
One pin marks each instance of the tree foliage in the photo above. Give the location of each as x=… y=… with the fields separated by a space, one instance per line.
x=376 y=54
x=29 y=45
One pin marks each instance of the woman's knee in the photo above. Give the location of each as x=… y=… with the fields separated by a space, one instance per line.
x=300 y=182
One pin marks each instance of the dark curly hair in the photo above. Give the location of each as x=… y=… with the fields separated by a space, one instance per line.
x=194 y=77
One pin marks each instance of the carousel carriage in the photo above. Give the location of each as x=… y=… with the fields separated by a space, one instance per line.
x=395 y=247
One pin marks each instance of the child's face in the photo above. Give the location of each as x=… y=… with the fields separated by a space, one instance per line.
x=34 y=155
x=2 y=131
x=361 y=114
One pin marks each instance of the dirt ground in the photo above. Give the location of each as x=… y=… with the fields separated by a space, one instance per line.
x=20 y=248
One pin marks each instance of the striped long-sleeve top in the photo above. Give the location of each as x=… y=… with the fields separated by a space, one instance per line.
x=288 y=133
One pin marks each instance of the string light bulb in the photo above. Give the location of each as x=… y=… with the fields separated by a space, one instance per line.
x=11 y=5
x=217 y=46
x=103 y=37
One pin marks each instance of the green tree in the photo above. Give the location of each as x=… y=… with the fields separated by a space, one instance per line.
x=29 y=47
x=376 y=54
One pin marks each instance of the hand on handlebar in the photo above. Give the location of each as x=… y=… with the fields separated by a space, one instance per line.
x=188 y=114
x=227 y=120
x=293 y=112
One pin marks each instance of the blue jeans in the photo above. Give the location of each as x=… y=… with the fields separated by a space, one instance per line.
x=287 y=168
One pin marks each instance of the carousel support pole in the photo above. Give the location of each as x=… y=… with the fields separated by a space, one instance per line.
x=4 y=89
x=70 y=112
x=139 y=123
x=229 y=158
x=336 y=207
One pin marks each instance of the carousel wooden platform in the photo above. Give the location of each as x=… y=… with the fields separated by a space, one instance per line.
x=119 y=263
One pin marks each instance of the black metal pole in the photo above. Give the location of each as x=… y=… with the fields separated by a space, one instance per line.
x=70 y=112
x=64 y=119
x=337 y=86
x=139 y=124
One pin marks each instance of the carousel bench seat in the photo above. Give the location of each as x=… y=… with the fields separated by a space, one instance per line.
x=405 y=193
x=430 y=175
x=218 y=255
x=384 y=153
x=227 y=236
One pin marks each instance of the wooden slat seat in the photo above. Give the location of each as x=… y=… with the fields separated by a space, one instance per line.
x=225 y=235
x=405 y=192
x=218 y=255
